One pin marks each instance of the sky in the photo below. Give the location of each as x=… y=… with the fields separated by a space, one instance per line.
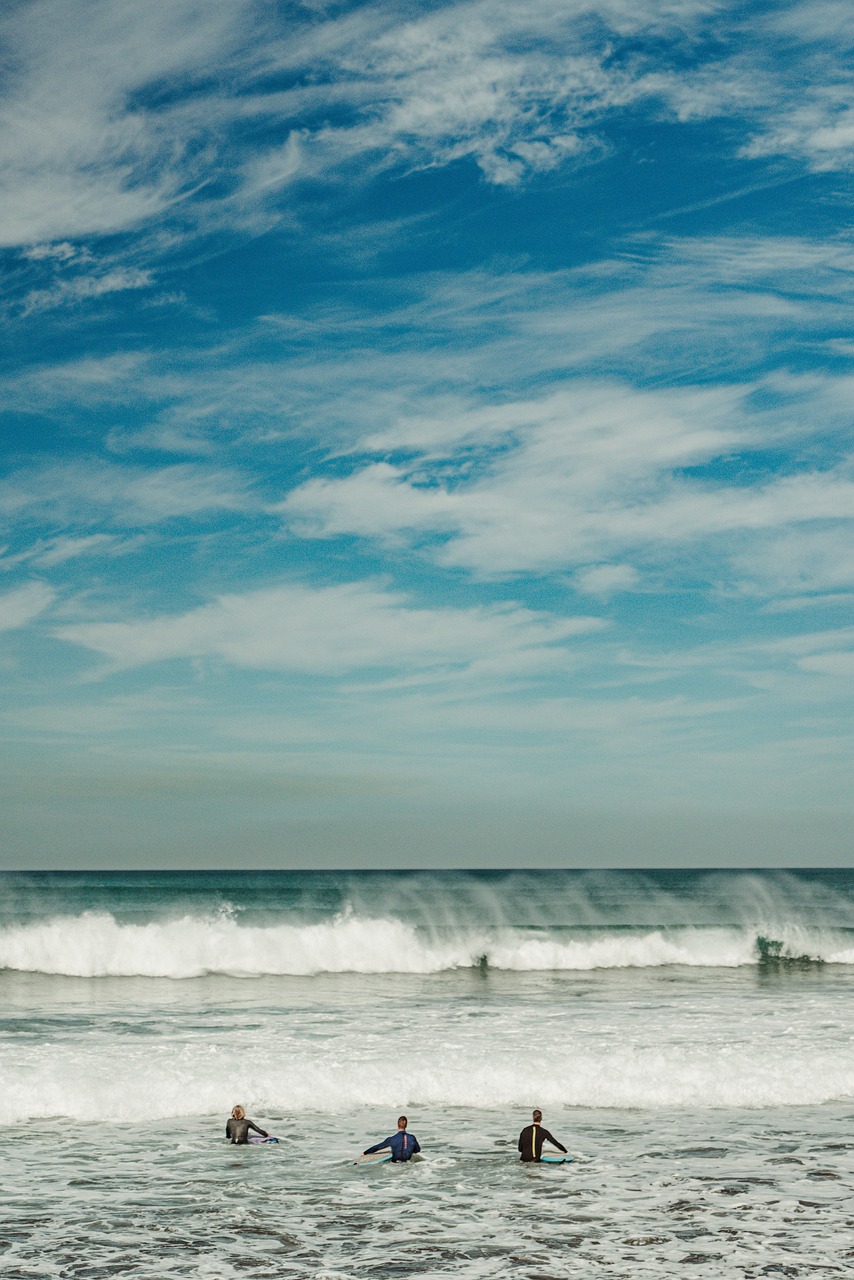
x=427 y=433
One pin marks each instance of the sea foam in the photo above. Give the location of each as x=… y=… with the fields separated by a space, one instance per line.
x=158 y=1080
x=96 y=944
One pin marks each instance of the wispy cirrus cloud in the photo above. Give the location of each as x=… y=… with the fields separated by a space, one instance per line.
x=111 y=119
x=81 y=288
x=585 y=475
x=82 y=491
x=22 y=605
x=334 y=630
x=664 y=308
x=423 y=447
x=52 y=552
x=456 y=391
x=799 y=563
x=813 y=121
x=82 y=151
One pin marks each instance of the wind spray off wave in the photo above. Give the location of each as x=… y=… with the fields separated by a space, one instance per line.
x=96 y=944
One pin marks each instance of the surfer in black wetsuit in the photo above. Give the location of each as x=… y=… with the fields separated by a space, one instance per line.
x=403 y=1145
x=237 y=1127
x=531 y=1140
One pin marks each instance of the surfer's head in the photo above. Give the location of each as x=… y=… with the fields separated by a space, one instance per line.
x=402 y=1122
x=537 y=1117
x=237 y=1113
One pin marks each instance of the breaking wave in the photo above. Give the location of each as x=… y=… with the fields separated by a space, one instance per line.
x=158 y=1078
x=96 y=944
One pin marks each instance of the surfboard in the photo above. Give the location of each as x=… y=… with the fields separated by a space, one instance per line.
x=258 y=1141
x=551 y=1155
x=376 y=1157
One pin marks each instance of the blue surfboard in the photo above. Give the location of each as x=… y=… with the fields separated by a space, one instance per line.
x=376 y=1157
x=551 y=1155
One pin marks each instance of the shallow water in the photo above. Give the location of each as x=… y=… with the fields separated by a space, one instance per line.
x=709 y=1105
x=659 y=1194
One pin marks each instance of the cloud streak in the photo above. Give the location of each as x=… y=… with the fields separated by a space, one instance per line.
x=112 y=120
x=458 y=391
x=87 y=491
x=335 y=630
x=21 y=606
x=583 y=476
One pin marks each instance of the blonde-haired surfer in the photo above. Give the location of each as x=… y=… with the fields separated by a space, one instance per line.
x=237 y=1127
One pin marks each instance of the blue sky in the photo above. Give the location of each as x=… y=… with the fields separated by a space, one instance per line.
x=427 y=433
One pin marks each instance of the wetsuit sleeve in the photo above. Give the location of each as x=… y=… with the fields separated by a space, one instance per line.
x=519 y=1143
x=253 y=1125
x=379 y=1147
x=416 y=1145
x=228 y=1128
x=549 y=1138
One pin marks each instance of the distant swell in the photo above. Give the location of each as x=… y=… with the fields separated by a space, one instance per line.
x=97 y=945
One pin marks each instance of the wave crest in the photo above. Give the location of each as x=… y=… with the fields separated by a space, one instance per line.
x=95 y=944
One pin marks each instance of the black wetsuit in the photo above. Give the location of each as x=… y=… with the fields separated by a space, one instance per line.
x=238 y=1130
x=531 y=1141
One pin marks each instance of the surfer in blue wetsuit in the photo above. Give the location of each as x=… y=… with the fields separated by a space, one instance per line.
x=403 y=1145
x=531 y=1140
x=237 y=1127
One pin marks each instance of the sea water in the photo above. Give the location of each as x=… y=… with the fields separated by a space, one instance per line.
x=688 y=1035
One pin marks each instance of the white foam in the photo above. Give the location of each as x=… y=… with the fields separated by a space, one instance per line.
x=95 y=944
x=162 y=1079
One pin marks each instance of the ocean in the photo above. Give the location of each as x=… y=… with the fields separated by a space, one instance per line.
x=688 y=1035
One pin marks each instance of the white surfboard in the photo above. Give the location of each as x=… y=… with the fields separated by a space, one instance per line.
x=376 y=1157
x=551 y=1155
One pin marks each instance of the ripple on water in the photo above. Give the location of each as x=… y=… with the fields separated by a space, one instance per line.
x=647 y=1201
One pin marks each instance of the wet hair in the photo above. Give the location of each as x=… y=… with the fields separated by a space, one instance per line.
x=402 y=1122
x=237 y=1113
x=538 y=1115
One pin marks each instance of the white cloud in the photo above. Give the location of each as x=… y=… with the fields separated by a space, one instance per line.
x=48 y=553
x=80 y=151
x=518 y=91
x=110 y=117
x=605 y=579
x=829 y=652
x=60 y=252
x=82 y=491
x=831 y=664
x=789 y=562
x=22 y=605
x=335 y=630
x=806 y=112
x=580 y=476
x=80 y=288
x=87 y=382
x=821 y=132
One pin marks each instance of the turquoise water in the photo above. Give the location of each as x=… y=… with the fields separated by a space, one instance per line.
x=688 y=1035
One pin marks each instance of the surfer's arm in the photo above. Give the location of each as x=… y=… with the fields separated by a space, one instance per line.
x=416 y=1145
x=549 y=1138
x=379 y=1147
x=253 y=1125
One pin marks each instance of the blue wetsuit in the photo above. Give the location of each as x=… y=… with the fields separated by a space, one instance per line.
x=403 y=1146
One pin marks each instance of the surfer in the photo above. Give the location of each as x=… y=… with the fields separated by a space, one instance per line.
x=531 y=1140
x=237 y=1127
x=403 y=1145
